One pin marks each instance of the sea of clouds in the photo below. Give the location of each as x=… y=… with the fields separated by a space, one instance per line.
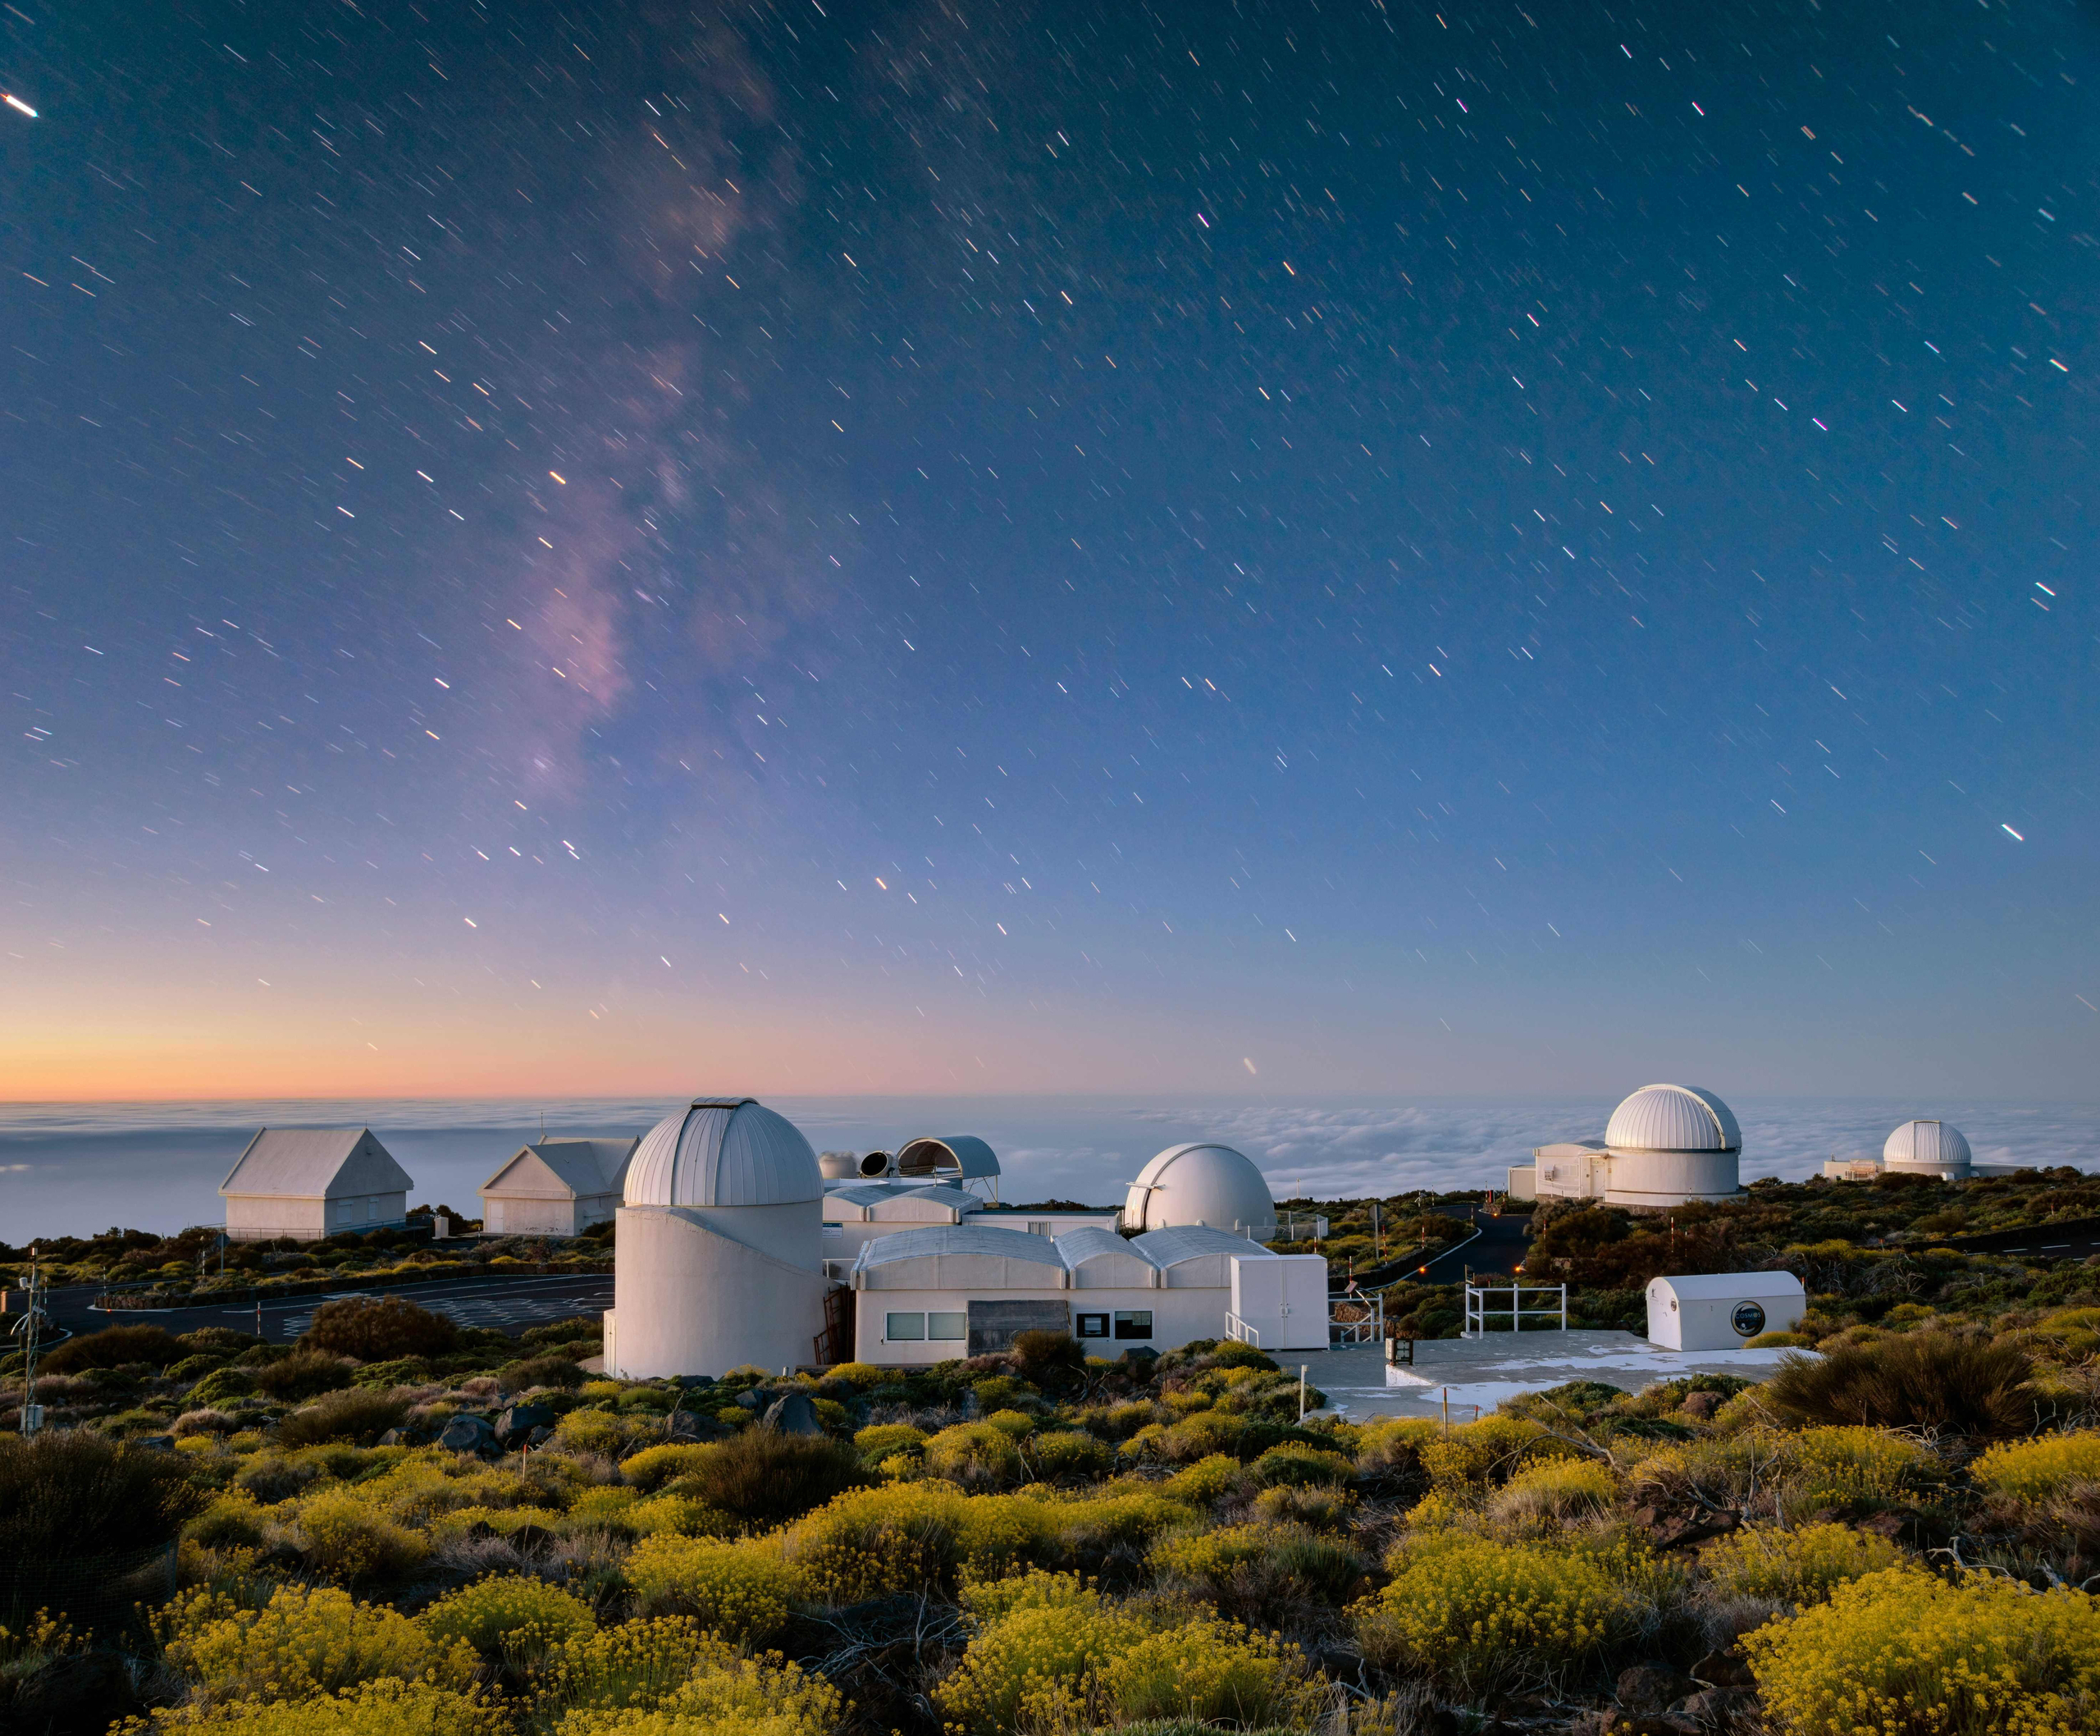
x=72 y=1168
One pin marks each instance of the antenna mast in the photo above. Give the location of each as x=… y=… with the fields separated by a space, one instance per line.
x=29 y=1329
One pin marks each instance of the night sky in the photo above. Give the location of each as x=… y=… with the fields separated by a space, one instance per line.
x=1047 y=548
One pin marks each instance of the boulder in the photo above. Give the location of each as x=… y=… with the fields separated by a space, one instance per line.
x=530 y=1540
x=749 y=1400
x=155 y=1443
x=1140 y=1352
x=795 y=1414
x=1649 y=1690
x=1723 y=1670
x=517 y=1422
x=684 y=1425
x=1701 y=1405
x=467 y=1434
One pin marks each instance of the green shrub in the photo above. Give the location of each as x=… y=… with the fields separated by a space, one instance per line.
x=66 y=1493
x=882 y=1440
x=764 y=1477
x=1213 y=1673
x=1487 y=1453
x=659 y=1681
x=1068 y=1453
x=540 y=1371
x=974 y=1454
x=1901 y=1651
x=1247 y=1560
x=1208 y=1479
x=743 y=1591
x=1845 y=1467
x=221 y=1385
x=112 y=1348
x=1795 y=1566
x=1034 y=1666
x=1016 y=1424
x=654 y=1466
x=355 y=1414
x=2034 y=1470
x=1295 y=1463
x=232 y=1521
x=1920 y=1380
x=379 y=1328
x=304 y=1374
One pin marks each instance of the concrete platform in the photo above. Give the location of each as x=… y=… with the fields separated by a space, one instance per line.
x=1477 y=1374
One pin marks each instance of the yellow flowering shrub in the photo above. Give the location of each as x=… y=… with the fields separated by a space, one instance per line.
x=591 y=1431
x=742 y=1590
x=1486 y=1454
x=655 y=1466
x=1035 y=1665
x=1456 y=1598
x=607 y=1504
x=681 y=1515
x=880 y=1441
x=1836 y=1467
x=1120 y=1515
x=1435 y=1512
x=636 y=1665
x=1018 y=1424
x=501 y=1520
x=510 y=1617
x=348 y=1539
x=2034 y=1470
x=1143 y=1444
x=1298 y=1464
x=905 y=1535
x=1206 y=1480
x=1556 y=1489
x=384 y=1707
x=1903 y=1653
x=1799 y=1566
x=988 y=1601
x=1213 y=1672
x=719 y=1692
x=1068 y=1452
x=1210 y=1555
x=234 y=1520
x=1722 y=1471
x=301 y=1642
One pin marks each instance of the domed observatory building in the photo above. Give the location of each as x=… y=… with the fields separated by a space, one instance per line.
x=1202 y=1184
x=1666 y=1145
x=719 y=1239
x=1927 y=1149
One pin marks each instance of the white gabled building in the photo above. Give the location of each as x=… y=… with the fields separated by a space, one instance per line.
x=309 y=1182
x=558 y=1187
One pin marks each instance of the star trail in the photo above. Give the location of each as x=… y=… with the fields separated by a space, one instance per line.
x=1046 y=548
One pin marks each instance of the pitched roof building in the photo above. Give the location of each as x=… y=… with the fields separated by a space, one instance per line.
x=309 y=1182
x=557 y=1187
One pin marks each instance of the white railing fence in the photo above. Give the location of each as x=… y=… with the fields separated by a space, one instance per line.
x=1517 y=1309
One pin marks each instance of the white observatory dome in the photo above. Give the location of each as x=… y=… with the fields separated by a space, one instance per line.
x=1201 y=1184
x=1927 y=1149
x=723 y=1151
x=1672 y=1118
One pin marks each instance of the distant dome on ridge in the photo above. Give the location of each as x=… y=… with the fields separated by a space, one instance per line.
x=723 y=1151
x=1934 y=1147
x=1201 y=1184
x=1672 y=1118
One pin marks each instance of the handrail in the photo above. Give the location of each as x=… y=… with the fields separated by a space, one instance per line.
x=1235 y=1328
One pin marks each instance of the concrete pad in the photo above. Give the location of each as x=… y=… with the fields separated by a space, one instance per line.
x=1477 y=1374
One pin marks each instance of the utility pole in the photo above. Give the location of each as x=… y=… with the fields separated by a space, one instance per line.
x=30 y=1330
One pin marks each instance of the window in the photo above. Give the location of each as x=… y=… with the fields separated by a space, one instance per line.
x=1134 y=1322
x=1092 y=1325
x=946 y=1326
x=371 y=1211
x=906 y=1328
x=1036 y=1228
x=343 y=1207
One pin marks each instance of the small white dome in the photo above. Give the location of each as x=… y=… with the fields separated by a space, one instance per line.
x=1672 y=1118
x=723 y=1151
x=1201 y=1184
x=1934 y=1145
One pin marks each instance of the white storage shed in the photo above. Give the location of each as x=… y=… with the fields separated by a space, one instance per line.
x=1722 y=1310
x=1280 y=1304
x=558 y=1187
x=309 y=1182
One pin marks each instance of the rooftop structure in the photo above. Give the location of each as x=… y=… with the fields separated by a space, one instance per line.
x=1202 y=1183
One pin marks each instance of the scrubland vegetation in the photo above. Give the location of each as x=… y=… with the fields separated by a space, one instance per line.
x=400 y=1526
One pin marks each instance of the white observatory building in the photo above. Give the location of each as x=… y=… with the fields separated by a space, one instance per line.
x=1666 y=1145
x=719 y=1246
x=1921 y=1148
x=1201 y=1184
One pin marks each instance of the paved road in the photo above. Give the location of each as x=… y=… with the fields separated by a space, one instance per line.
x=509 y=1304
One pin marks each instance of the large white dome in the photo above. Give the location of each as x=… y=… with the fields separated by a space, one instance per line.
x=1201 y=1184
x=1672 y=1118
x=1936 y=1146
x=723 y=1151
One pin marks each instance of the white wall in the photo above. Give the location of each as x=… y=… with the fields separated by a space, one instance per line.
x=1678 y=1322
x=1666 y=1178
x=1177 y=1316
x=1283 y=1299
x=309 y=1217
x=692 y=1300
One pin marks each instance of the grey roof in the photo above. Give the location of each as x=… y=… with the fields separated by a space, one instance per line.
x=1179 y=1242
x=1724 y=1287
x=949 y=1153
x=584 y=1167
x=315 y=1161
x=723 y=1151
x=1090 y=1241
x=960 y=1238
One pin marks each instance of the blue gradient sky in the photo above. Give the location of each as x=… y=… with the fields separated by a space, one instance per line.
x=1095 y=549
